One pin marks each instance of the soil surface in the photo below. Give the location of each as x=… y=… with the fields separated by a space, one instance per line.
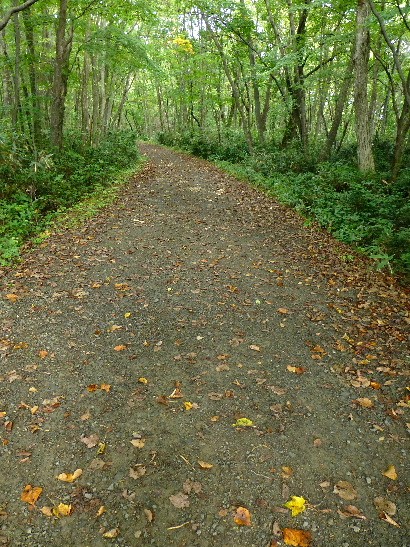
x=132 y=349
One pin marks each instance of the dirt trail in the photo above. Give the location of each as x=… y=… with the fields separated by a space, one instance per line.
x=193 y=284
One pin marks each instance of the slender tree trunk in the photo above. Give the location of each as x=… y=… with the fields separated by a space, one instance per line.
x=61 y=73
x=34 y=94
x=363 y=124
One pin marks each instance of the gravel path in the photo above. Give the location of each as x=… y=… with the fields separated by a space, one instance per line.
x=129 y=348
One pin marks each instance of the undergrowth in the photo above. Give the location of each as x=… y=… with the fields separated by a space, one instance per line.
x=365 y=211
x=37 y=189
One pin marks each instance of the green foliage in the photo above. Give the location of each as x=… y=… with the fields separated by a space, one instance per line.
x=32 y=192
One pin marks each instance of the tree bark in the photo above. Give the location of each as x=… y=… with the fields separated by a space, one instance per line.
x=365 y=157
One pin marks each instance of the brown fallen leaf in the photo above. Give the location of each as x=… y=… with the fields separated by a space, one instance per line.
x=345 y=490
x=215 y=396
x=364 y=402
x=254 y=348
x=105 y=387
x=93 y=387
x=47 y=511
x=31 y=494
x=351 y=511
x=70 y=477
x=179 y=500
x=287 y=472
x=192 y=486
x=384 y=516
x=391 y=473
x=12 y=297
x=297 y=538
x=162 y=400
x=150 y=515
x=43 y=353
x=242 y=517
x=283 y=311
x=90 y=441
x=137 y=471
x=385 y=506
x=138 y=443
x=296 y=370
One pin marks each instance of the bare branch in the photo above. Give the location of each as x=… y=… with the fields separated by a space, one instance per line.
x=14 y=10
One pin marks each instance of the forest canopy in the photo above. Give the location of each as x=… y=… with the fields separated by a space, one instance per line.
x=309 y=98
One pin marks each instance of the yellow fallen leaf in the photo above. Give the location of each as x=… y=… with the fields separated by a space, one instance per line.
x=105 y=387
x=62 y=510
x=43 y=353
x=242 y=517
x=101 y=448
x=283 y=311
x=243 y=422
x=112 y=533
x=138 y=443
x=70 y=477
x=33 y=409
x=391 y=473
x=297 y=505
x=297 y=538
x=142 y=380
x=127 y=315
x=121 y=347
x=187 y=405
x=287 y=472
x=100 y=511
x=296 y=370
x=31 y=494
x=205 y=465
x=12 y=297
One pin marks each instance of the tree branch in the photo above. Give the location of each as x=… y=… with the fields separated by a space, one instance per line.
x=14 y=10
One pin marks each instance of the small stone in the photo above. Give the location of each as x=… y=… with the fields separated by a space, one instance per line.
x=368 y=480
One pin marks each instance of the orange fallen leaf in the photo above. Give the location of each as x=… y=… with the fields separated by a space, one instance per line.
x=142 y=380
x=105 y=387
x=297 y=538
x=93 y=387
x=296 y=370
x=31 y=494
x=70 y=477
x=43 y=353
x=391 y=473
x=384 y=516
x=12 y=297
x=242 y=517
x=100 y=511
x=121 y=347
x=283 y=311
x=205 y=465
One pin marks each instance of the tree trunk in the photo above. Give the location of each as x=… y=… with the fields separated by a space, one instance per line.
x=365 y=157
x=34 y=94
x=60 y=77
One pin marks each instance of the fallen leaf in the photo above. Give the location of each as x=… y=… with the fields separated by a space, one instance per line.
x=187 y=405
x=111 y=534
x=297 y=538
x=137 y=471
x=385 y=506
x=390 y=473
x=120 y=347
x=364 y=402
x=90 y=441
x=100 y=511
x=102 y=447
x=215 y=396
x=243 y=422
x=296 y=504
x=384 y=516
x=215 y=418
x=105 y=387
x=287 y=472
x=31 y=494
x=345 y=490
x=12 y=297
x=283 y=311
x=142 y=380
x=93 y=387
x=47 y=511
x=242 y=517
x=254 y=348
x=127 y=315
x=179 y=500
x=162 y=400
x=62 y=510
x=205 y=465
x=114 y=328
x=192 y=486
x=138 y=443
x=296 y=370
x=150 y=515
x=351 y=511
x=70 y=477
